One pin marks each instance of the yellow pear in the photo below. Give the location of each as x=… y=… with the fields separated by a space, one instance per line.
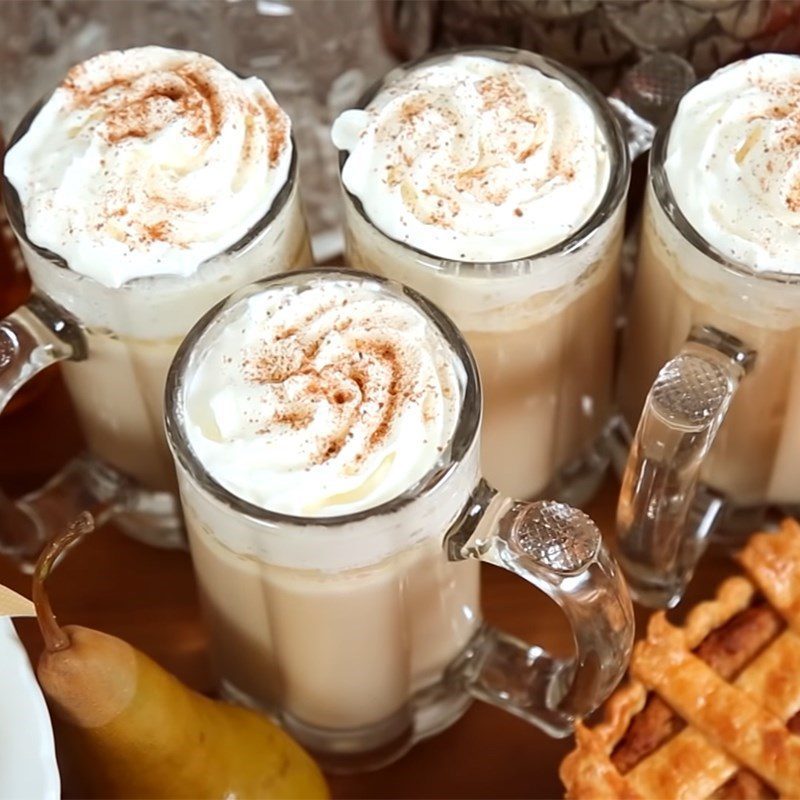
x=132 y=730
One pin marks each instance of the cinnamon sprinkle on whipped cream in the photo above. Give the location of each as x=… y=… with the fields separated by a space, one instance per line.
x=471 y=158
x=148 y=162
x=323 y=400
x=733 y=161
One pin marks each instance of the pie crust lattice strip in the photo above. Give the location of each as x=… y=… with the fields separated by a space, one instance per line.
x=712 y=708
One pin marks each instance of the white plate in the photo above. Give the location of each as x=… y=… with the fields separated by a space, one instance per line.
x=28 y=769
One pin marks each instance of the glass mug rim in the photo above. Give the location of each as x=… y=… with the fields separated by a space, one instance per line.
x=459 y=445
x=659 y=181
x=16 y=215
x=614 y=195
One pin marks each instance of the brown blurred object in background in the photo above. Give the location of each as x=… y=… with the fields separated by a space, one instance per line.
x=599 y=38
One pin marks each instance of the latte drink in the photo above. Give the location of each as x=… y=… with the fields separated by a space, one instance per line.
x=148 y=186
x=321 y=403
x=325 y=426
x=493 y=182
x=720 y=248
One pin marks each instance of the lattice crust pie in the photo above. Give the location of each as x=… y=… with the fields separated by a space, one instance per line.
x=713 y=708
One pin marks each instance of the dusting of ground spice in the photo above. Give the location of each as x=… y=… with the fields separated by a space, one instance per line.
x=203 y=105
x=793 y=197
x=412 y=108
x=278 y=129
x=364 y=384
x=498 y=90
x=130 y=98
x=139 y=104
x=783 y=110
x=158 y=231
x=84 y=91
x=424 y=124
x=386 y=352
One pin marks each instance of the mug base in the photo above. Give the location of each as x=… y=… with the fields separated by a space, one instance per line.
x=149 y=516
x=354 y=750
x=87 y=484
x=577 y=482
x=156 y=522
x=719 y=525
x=649 y=588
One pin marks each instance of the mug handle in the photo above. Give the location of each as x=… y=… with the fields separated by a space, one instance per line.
x=560 y=551
x=33 y=337
x=37 y=334
x=664 y=516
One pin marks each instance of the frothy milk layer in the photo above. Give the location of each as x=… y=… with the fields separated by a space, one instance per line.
x=322 y=400
x=148 y=162
x=733 y=161
x=475 y=159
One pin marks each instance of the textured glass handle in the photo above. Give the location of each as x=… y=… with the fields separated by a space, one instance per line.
x=560 y=551
x=662 y=520
x=33 y=337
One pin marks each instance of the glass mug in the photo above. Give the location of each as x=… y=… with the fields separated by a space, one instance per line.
x=360 y=659
x=542 y=328
x=116 y=345
x=711 y=359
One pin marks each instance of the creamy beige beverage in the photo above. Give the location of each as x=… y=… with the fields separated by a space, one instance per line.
x=151 y=184
x=325 y=425
x=732 y=165
x=544 y=348
x=317 y=402
x=494 y=184
x=336 y=650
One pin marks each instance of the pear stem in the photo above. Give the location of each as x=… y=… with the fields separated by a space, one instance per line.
x=55 y=637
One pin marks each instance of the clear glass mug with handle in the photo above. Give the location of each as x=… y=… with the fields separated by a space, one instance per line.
x=362 y=632
x=115 y=346
x=541 y=326
x=710 y=360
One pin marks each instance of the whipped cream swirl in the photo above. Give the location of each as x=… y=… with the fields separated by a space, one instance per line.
x=475 y=159
x=323 y=400
x=733 y=161
x=148 y=162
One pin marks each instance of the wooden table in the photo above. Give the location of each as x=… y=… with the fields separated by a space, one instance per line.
x=147 y=596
